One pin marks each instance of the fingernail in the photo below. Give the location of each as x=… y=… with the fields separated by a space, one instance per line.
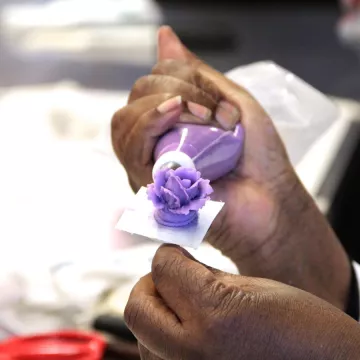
x=189 y=119
x=169 y=105
x=198 y=110
x=227 y=115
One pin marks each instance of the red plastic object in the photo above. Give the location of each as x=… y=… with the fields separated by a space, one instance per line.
x=66 y=345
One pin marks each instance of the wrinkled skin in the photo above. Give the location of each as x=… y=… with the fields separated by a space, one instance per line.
x=185 y=310
x=270 y=227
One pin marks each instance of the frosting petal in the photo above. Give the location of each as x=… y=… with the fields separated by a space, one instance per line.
x=156 y=200
x=170 y=199
x=185 y=173
x=175 y=186
x=159 y=181
x=194 y=205
x=204 y=188
x=186 y=183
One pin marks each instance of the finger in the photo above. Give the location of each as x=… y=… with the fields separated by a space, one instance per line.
x=151 y=84
x=226 y=114
x=151 y=320
x=200 y=104
x=170 y=46
x=136 y=128
x=145 y=354
x=155 y=113
x=140 y=143
x=180 y=280
x=186 y=71
x=176 y=60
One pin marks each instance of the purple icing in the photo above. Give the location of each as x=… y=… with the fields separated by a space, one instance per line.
x=167 y=218
x=178 y=195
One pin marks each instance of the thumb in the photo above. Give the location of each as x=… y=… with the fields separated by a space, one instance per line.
x=171 y=47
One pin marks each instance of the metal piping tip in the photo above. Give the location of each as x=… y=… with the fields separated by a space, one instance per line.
x=170 y=165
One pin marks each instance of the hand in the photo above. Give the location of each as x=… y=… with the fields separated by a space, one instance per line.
x=270 y=227
x=185 y=310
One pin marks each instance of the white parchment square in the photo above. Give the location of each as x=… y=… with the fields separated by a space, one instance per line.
x=139 y=219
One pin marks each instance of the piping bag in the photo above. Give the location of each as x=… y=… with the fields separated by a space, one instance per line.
x=176 y=208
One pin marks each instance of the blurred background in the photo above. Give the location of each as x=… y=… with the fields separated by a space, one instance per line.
x=67 y=65
x=108 y=44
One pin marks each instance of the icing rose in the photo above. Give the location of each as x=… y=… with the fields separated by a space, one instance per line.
x=178 y=195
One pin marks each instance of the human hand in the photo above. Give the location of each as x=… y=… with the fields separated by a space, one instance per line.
x=185 y=310
x=270 y=227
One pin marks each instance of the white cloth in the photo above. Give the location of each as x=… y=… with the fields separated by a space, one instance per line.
x=70 y=294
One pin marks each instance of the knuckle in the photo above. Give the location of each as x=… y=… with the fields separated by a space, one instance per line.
x=161 y=66
x=227 y=298
x=202 y=90
x=207 y=281
x=162 y=266
x=184 y=71
x=203 y=284
x=169 y=66
x=207 y=86
x=225 y=309
x=142 y=82
x=132 y=313
x=153 y=85
x=116 y=133
x=127 y=158
x=115 y=120
x=220 y=290
x=121 y=124
x=120 y=121
x=141 y=87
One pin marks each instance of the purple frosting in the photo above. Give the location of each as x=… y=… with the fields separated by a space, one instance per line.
x=178 y=195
